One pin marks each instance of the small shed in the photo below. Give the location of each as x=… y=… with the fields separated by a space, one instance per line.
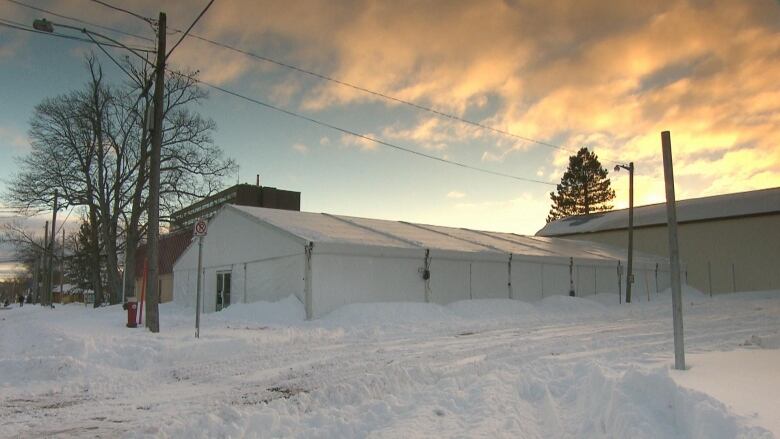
x=327 y=261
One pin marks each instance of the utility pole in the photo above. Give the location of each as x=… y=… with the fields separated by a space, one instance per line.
x=630 y=265
x=50 y=276
x=674 y=252
x=62 y=264
x=44 y=259
x=153 y=295
x=36 y=279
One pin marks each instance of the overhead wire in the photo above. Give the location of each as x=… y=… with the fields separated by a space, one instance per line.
x=184 y=35
x=65 y=220
x=322 y=123
x=368 y=91
x=359 y=135
x=79 y=20
x=23 y=27
x=117 y=8
x=117 y=63
x=415 y=105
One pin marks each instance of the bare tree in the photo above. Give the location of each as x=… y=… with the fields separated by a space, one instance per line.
x=92 y=146
x=29 y=250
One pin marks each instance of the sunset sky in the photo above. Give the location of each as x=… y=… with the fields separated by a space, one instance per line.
x=607 y=75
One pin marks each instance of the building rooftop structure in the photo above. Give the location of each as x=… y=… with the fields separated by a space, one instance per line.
x=240 y=194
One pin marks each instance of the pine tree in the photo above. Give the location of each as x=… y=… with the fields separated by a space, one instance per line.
x=80 y=267
x=584 y=188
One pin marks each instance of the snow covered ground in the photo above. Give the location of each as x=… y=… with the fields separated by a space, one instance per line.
x=560 y=367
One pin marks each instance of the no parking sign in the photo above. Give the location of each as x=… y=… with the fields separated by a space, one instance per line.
x=201 y=227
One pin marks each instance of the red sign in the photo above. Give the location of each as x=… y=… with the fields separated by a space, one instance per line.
x=201 y=227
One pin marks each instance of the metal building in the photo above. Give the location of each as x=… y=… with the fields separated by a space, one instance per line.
x=728 y=242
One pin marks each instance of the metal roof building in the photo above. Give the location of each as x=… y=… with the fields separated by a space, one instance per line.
x=729 y=242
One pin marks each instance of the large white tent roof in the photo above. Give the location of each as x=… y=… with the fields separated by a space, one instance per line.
x=339 y=229
x=696 y=209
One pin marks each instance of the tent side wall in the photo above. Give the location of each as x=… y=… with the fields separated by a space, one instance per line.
x=344 y=274
x=263 y=263
x=339 y=279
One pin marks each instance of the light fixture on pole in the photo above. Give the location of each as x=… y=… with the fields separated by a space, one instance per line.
x=629 y=275
x=43 y=25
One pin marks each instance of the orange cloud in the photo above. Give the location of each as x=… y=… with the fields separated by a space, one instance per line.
x=609 y=75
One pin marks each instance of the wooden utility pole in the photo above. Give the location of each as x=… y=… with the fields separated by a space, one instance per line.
x=42 y=295
x=152 y=247
x=62 y=264
x=36 y=279
x=674 y=252
x=50 y=276
x=630 y=265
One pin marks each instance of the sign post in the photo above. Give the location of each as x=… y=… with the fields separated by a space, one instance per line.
x=201 y=228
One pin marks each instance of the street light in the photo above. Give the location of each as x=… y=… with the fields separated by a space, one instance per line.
x=630 y=275
x=43 y=25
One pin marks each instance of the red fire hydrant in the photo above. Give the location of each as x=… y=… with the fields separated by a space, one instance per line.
x=132 y=307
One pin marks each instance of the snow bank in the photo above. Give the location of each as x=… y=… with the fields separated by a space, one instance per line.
x=400 y=314
x=495 y=308
x=287 y=311
x=491 y=400
x=482 y=368
x=570 y=308
x=752 y=394
x=390 y=313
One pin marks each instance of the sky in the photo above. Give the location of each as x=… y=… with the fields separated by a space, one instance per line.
x=608 y=75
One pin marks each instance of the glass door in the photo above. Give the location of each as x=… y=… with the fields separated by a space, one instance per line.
x=223 y=290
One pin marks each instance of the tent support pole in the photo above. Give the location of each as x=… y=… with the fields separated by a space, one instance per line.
x=427 y=275
x=307 y=282
x=509 y=277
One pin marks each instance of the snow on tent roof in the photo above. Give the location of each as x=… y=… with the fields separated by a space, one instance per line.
x=695 y=209
x=326 y=228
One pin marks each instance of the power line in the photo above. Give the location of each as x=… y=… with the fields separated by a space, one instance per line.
x=386 y=96
x=23 y=27
x=362 y=89
x=320 y=76
x=184 y=35
x=361 y=136
x=345 y=83
x=78 y=20
x=117 y=8
x=65 y=220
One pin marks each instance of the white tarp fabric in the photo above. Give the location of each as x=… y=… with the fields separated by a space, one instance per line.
x=368 y=260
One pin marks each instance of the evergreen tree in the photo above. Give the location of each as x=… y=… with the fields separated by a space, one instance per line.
x=584 y=188
x=80 y=268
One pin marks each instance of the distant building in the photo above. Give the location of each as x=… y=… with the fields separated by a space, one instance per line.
x=171 y=246
x=728 y=242
x=241 y=195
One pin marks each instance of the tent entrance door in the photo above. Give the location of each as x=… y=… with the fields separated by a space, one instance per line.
x=223 y=290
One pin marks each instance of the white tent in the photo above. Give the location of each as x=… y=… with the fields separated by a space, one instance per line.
x=252 y=254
